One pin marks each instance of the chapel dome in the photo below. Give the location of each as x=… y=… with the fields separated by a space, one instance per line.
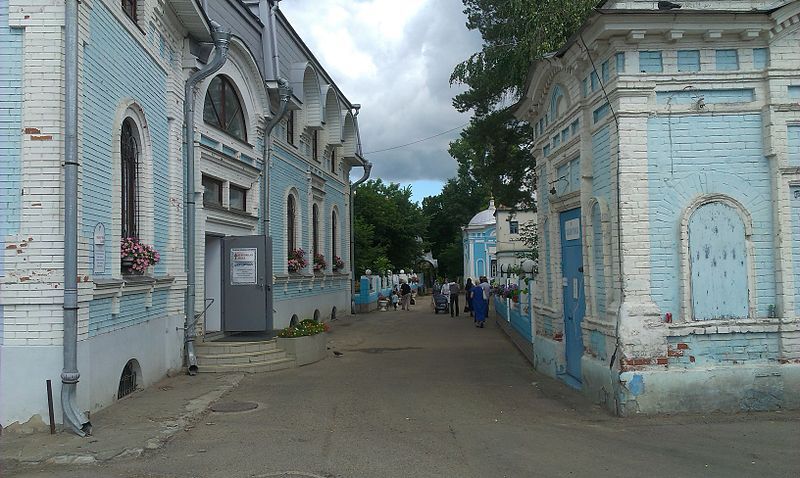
x=485 y=217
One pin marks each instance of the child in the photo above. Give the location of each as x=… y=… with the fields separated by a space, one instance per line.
x=395 y=299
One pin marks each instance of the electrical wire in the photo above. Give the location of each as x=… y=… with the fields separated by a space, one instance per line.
x=417 y=141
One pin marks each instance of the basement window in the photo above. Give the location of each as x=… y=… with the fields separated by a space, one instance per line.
x=127 y=381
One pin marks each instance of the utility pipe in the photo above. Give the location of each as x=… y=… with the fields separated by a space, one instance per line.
x=73 y=417
x=221 y=39
x=275 y=60
x=364 y=177
x=285 y=92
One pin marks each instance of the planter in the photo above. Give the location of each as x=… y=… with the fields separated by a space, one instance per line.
x=305 y=350
x=127 y=267
x=382 y=304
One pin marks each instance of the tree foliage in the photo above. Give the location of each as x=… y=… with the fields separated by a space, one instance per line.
x=387 y=227
x=446 y=213
x=494 y=149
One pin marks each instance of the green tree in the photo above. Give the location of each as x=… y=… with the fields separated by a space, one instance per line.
x=388 y=227
x=493 y=149
x=446 y=213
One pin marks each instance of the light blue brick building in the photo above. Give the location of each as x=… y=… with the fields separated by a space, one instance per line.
x=667 y=152
x=134 y=61
x=480 y=244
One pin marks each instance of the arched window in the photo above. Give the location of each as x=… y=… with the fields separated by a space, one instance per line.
x=718 y=262
x=315 y=229
x=334 y=233
x=223 y=109
x=291 y=221
x=129 y=151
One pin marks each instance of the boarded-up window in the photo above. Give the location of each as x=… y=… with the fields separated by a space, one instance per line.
x=597 y=261
x=718 y=263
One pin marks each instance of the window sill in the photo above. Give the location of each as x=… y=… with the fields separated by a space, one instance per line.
x=728 y=326
x=116 y=288
x=218 y=208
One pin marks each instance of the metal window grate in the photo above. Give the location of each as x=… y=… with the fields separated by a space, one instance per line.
x=127 y=382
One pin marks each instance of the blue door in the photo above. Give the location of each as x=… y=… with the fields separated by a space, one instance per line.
x=574 y=298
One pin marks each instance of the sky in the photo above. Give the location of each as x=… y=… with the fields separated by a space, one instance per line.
x=394 y=57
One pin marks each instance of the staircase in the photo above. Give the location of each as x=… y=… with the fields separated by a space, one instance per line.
x=252 y=357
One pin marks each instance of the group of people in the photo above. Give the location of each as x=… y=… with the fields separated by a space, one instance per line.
x=401 y=295
x=477 y=298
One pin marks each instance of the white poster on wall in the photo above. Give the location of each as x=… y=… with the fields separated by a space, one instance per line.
x=572 y=229
x=244 y=266
x=99 y=249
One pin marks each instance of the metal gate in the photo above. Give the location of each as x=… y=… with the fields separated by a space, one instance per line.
x=247 y=284
x=574 y=298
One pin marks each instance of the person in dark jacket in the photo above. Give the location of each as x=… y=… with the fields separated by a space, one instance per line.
x=454 y=291
x=468 y=296
x=405 y=295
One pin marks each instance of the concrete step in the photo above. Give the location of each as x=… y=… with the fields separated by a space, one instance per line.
x=255 y=367
x=211 y=357
x=212 y=348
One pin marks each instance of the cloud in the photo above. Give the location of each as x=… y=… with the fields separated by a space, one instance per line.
x=395 y=59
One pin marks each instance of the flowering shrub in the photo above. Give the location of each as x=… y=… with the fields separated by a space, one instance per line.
x=338 y=263
x=303 y=329
x=140 y=256
x=319 y=263
x=297 y=260
x=508 y=291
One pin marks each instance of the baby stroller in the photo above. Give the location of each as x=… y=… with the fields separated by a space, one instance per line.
x=440 y=302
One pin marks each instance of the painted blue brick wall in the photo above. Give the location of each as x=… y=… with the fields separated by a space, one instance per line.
x=688 y=60
x=793 y=142
x=727 y=60
x=10 y=130
x=601 y=112
x=599 y=269
x=548 y=268
x=685 y=97
x=569 y=177
x=287 y=171
x=712 y=349
x=760 y=58
x=795 y=198
x=133 y=311
x=707 y=154
x=109 y=59
x=601 y=163
x=650 y=62
x=597 y=343
x=620 y=62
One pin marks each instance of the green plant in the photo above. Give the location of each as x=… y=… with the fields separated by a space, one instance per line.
x=304 y=328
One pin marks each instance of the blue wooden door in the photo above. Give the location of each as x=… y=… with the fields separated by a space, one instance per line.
x=574 y=298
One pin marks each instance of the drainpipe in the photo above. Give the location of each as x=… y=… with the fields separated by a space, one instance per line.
x=285 y=93
x=275 y=61
x=221 y=39
x=73 y=417
x=364 y=177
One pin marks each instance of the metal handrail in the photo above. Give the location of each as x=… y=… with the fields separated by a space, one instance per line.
x=193 y=323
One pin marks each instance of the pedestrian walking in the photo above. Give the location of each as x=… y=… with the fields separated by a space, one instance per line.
x=395 y=299
x=481 y=301
x=468 y=296
x=405 y=295
x=454 y=291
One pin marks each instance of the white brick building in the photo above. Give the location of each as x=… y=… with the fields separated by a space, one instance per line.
x=668 y=152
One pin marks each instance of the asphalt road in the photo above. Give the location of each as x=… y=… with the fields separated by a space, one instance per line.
x=415 y=394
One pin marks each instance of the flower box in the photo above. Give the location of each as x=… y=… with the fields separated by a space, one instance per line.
x=305 y=350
